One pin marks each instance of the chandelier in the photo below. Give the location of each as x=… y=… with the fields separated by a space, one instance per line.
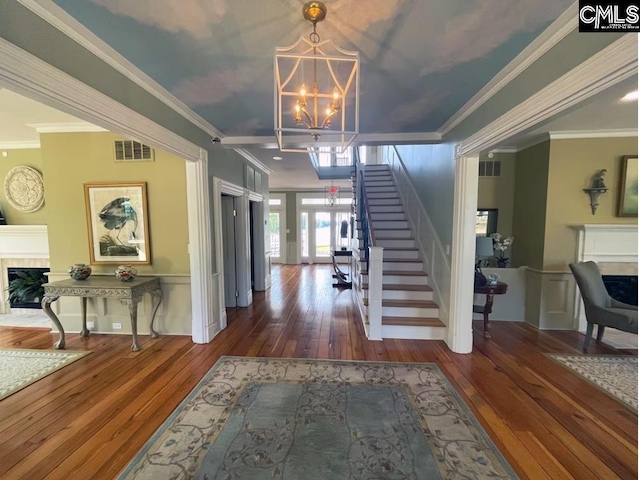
x=316 y=91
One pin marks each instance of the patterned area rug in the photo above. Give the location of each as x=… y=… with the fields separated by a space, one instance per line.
x=256 y=418
x=616 y=375
x=19 y=368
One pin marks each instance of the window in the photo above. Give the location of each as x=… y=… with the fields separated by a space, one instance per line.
x=489 y=168
x=275 y=202
x=486 y=222
x=323 y=201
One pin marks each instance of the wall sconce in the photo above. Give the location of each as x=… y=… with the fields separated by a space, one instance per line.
x=597 y=188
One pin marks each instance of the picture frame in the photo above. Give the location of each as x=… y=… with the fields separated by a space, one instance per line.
x=628 y=187
x=117 y=223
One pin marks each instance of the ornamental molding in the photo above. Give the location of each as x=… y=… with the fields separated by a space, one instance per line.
x=24 y=189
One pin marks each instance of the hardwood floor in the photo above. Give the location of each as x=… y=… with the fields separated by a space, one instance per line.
x=89 y=419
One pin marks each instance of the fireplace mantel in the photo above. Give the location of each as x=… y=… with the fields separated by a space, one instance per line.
x=25 y=246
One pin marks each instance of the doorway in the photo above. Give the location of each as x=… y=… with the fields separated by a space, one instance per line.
x=321 y=232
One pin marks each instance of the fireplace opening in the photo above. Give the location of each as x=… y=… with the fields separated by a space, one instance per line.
x=623 y=288
x=12 y=274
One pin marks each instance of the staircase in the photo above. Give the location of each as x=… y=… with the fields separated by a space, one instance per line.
x=408 y=309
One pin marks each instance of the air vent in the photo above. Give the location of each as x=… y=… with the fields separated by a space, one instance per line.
x=130 y=151
x=490 y=168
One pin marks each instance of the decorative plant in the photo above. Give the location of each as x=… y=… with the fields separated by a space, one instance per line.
x=27 y=287
x=500 y=244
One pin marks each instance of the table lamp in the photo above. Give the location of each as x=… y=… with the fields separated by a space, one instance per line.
x=484 y=249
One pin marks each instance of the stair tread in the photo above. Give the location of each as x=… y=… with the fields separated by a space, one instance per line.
x=401 y=249
x=413 y=321
x=402 y=260
x=402 y=287
x=408 y=273
x=406 y=303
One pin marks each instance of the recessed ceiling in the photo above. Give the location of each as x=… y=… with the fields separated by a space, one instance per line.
x=421 y=60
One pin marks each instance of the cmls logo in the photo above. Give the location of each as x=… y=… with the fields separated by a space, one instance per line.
x=620 y=16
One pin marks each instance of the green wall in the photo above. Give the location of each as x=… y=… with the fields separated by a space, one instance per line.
x=530 y=206
x=572 y=164
x=498 y=192
x=72 y=159
x=30 y=157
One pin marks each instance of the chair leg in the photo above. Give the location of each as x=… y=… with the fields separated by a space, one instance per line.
x=587 y=337
x=600 y=334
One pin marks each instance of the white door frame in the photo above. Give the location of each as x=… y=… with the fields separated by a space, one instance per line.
x=27 y=75
x=282 y=210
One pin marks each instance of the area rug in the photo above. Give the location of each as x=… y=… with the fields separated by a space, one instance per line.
x=617 y=375
x=19 y=368
x=257 y=418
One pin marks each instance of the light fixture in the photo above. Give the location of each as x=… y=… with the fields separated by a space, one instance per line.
x=316 y=90
x=332 y=195
x=630 y=97
x=277 y=158
x=484 y=249
x=597 y=188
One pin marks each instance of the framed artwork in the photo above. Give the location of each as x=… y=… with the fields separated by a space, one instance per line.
x=118 y=223
x=628 y=188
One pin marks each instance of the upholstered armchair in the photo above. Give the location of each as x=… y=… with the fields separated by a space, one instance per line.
x=600 y=308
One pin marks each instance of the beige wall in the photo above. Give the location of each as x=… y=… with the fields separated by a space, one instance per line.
x=498 y=192
x=30 y=157
x=72 y=159
x=572 y=163
x=530 y=206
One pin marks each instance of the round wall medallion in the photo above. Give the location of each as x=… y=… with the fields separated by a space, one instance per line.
x=24 y=189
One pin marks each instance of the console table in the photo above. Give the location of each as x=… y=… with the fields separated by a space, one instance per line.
x=128 y=293
x=489 y=290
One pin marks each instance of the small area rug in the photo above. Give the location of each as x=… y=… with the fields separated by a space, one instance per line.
x=614 y=374
x=19 y=368
x=257 y=418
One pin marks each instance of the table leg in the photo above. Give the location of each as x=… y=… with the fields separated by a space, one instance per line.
x=85 y=331
x=156 y=299
x=487 y=310
x=46 y=306
x=132 y=303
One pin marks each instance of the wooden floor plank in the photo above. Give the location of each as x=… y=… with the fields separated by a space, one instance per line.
x=89 y=419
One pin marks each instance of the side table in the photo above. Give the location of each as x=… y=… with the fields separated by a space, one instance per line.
x=128 y=293
x=489 y=290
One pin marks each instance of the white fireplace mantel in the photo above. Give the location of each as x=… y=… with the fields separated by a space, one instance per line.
x=613 y=247
x=24 y=241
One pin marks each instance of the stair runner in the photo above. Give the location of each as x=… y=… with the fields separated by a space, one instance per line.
x=408 y=309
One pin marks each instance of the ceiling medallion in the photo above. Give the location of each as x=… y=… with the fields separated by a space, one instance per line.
x=24 y=189
x=316 y=90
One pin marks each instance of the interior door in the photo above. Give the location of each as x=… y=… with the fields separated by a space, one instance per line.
x=229 y=251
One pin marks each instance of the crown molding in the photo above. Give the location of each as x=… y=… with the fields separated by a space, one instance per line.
x=254 y=160
x=560 y=28
x=363 y=139
x=65 y=23
x=20 y=145
x=27 y=75
x=68 y=127
x=504 y=150
x=621 y=132
x=609 y=66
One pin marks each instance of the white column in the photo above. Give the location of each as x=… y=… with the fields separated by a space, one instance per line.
x=243 y=251
x=203 y=318
x=374 y=308
x=459 y=333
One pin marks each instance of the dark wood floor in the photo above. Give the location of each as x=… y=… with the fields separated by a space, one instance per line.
x=89 y=419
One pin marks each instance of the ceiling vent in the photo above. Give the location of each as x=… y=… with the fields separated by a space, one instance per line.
x=130 y=151
x=490 y=168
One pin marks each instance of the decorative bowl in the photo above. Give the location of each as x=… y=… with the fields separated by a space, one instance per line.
x=79 y=271
x=126 y=273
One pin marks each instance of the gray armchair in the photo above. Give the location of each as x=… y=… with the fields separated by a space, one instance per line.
x=600 y=308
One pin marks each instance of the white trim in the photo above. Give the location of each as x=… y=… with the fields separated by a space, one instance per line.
x=229 y=188
x=559 y=29
x=255 y=197
x=20 y=145
x=460 y=333
x=368 y=139
x=611 y=65
x=504 y=150
x=66 y=127
x=27 y=75
x=627 y=132
x=203 y=324
x=60 y=19
x=217 y=228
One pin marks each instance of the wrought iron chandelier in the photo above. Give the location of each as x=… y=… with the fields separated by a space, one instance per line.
x=316 y=90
